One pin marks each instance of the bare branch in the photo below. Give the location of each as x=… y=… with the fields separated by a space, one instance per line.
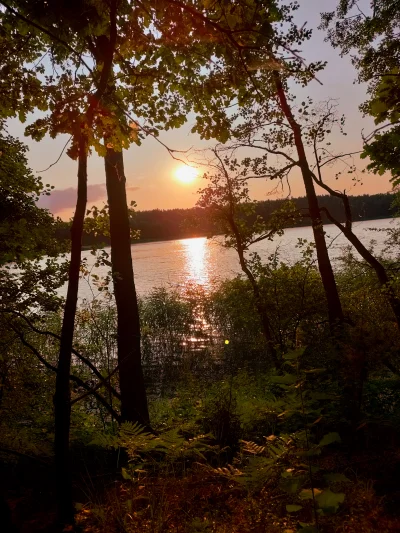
x=76 y=379
x=58 y=158
x=84 y=360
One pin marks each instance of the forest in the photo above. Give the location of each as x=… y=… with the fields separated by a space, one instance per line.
x=269 y=403
x=159 y=225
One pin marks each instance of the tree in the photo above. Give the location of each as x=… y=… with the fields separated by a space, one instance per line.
x=27 y=233
x=256 y=61
x=26 y=230
x=227 y=198
x=133 y=57
x=318 y=135
x=373 y=33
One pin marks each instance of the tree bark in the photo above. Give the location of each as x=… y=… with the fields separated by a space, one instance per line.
x=335 y=311
x=62 y=394
x=380 y=270
x=133 y=394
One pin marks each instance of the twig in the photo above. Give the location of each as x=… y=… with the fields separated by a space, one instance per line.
x=86 y=361
x=58 y=158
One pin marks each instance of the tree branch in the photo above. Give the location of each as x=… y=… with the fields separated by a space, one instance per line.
x=73 y=378
x=46 y=32
x=84 y=360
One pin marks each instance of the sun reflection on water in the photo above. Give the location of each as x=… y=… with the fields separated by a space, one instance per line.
x=196 y=267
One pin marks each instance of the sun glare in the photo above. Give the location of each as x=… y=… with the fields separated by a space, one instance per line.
x=186 y=174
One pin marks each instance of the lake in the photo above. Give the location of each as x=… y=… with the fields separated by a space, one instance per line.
x=175 y=264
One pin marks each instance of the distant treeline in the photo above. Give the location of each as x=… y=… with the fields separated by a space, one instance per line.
x=160 y=225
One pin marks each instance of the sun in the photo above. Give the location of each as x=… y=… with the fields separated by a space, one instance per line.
x=186 y=174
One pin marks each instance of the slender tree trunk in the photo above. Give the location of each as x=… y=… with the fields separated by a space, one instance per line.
x=380 y=270
x=263 y=314
x=133 y=394
x=62 y=395
x=260 y=305
x=325 y=267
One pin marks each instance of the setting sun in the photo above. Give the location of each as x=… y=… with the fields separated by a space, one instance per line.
x=186 y=174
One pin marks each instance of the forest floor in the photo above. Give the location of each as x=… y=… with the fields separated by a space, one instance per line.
x=204 y=500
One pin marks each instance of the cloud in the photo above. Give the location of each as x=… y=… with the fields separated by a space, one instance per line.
x=63 y=199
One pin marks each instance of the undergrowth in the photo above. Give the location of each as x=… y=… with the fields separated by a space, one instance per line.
x=251 y=453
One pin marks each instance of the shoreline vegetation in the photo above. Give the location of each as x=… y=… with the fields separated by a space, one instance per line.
x=158 y=225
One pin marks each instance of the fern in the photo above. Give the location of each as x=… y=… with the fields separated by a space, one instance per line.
x=133 y=437
x=228 y=471
x=257 y=472
x=252 y=448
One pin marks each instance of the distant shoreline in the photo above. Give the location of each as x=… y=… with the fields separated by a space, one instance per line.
x=199 y=236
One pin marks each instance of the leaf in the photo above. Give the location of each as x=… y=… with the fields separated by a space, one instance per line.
x=329 y=501
x=293 y=508
x=306 y=494
x=336 y=478
x=330 y=438
x=125 y=474
x=295 y=354
x=291 y=484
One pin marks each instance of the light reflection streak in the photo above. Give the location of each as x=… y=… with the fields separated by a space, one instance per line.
x=196 y=267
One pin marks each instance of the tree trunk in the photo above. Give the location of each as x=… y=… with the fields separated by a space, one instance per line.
x=324 y=264
x=262 y=311
x=133 y=394
x=380 y=270
x=62 y=396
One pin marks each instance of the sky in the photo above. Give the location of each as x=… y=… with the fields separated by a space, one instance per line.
x=151 y=171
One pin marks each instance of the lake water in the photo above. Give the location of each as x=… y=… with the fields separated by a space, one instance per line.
x=202 y=261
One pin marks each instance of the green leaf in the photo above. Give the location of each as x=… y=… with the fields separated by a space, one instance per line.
x=336 y=478
x=306 y=494
x=125 y=474
x=329 y=501
x=295 y=354
x=291 y=484
x=329 y=438
x=293 y=508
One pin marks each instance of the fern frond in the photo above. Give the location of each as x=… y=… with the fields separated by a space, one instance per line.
x=228 y=471
x=252 y=448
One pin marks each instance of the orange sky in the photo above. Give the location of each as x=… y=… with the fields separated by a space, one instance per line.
x=150 y=169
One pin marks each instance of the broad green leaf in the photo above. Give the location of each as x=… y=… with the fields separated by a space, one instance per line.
x=295 y=354
x=125 y=474
x=293 y=508
x=306 y=494
x=329 y=438
x=329 y=501
x=291 y=484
